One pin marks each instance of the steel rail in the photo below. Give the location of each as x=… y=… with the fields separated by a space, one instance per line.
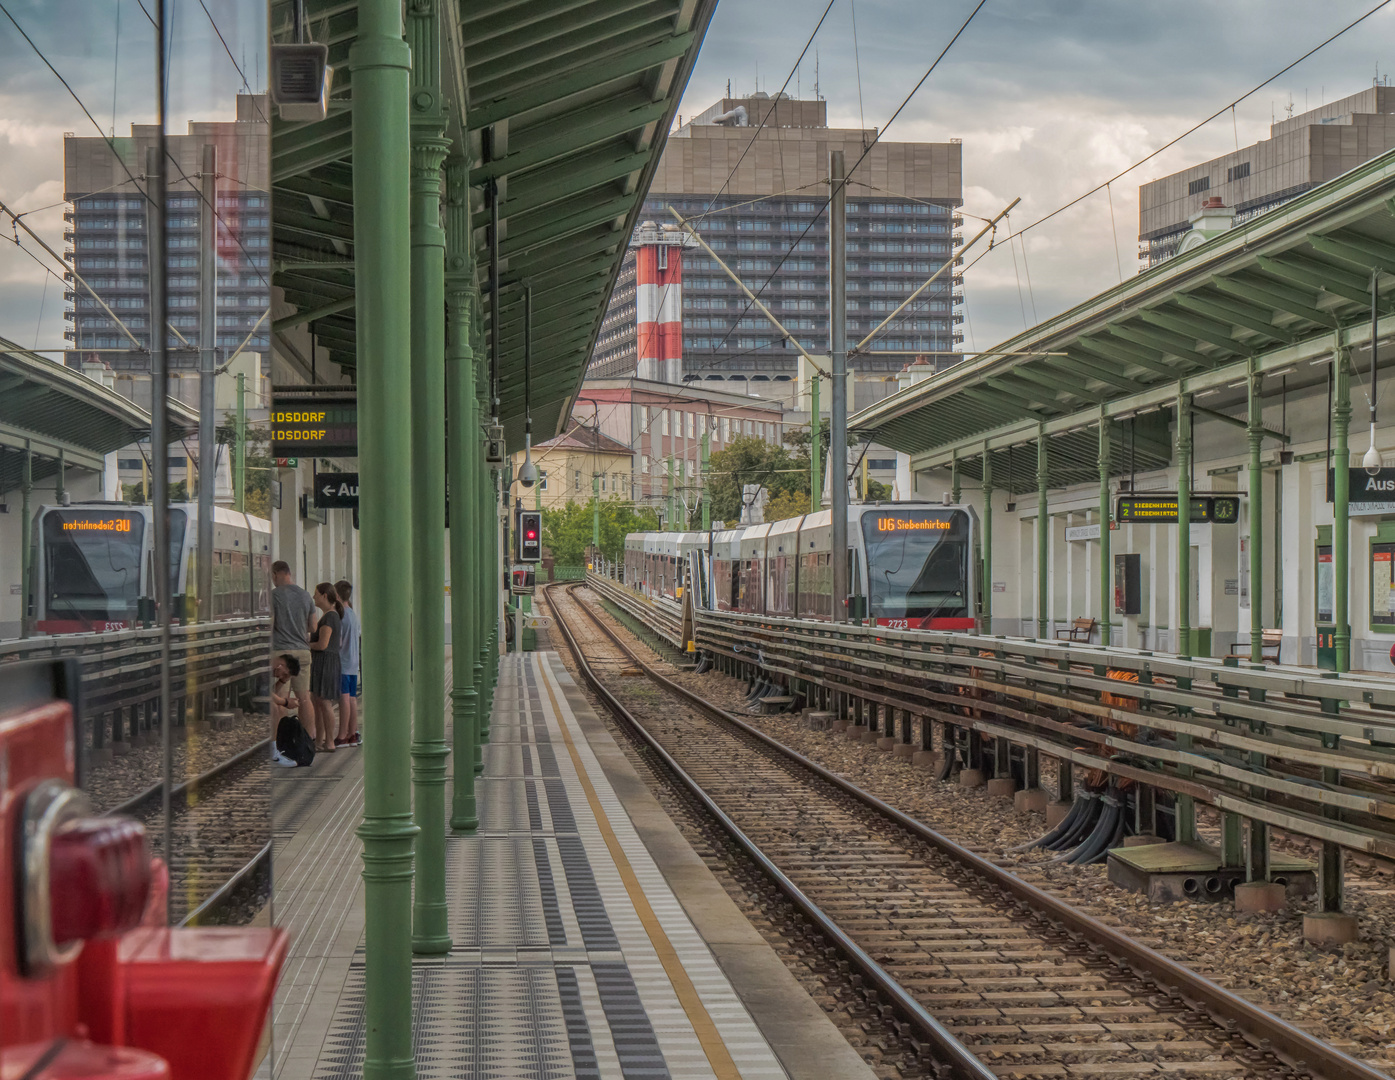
x=221 y=894
x=1263 y=1029
x=964 y=1063
x=181 y=791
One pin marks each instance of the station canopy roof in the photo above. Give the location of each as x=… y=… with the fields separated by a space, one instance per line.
x=577 y=97
x=1276 y=290
x=52 y=407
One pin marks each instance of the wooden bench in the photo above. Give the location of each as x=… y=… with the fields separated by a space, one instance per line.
x=1269 y=646
x=1080 y=630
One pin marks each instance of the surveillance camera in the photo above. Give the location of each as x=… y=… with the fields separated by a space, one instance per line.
x=1371 y=462
x=528 y=474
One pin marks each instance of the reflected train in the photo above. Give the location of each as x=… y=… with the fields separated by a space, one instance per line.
x=93 y=566
x=911 y=566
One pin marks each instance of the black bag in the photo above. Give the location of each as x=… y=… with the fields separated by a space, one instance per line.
x=293 y=741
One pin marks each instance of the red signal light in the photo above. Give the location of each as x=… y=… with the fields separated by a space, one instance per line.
x=532 y=534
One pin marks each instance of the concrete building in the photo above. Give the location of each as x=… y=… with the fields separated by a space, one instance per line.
x=579 y=462
x=659 y=421
x=107 y=237
x=758 y=205
x=1301 y=152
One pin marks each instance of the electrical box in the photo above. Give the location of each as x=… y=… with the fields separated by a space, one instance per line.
x=529 y=536
x=523 y=580
x=494 y=445
x=1128 y=584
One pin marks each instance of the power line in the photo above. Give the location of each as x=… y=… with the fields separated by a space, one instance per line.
x=865 y=151
x=1196 y=127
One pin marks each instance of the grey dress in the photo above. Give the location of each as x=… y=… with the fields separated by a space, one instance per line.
x=324 y=663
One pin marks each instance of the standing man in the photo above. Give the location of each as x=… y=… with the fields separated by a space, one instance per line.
x=348 y=670
x=292 y=623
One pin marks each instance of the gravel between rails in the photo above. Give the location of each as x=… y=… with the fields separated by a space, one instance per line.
x=1344 y=997
x=115 y=781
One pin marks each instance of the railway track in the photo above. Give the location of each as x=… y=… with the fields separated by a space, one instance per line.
x=221 y=843
x=963 y=952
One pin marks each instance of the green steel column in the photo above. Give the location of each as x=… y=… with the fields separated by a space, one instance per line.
x=595 y=514
x=462 y=450
x=1043 y=575
x=428 y=481
x=58 y=489
x=954 y=480
x=1254 y=432
x=381 y=62
x=1341 y=511
x=1184 y=525
x=26 y=540
x=668 y=496
x=815 y=454
x=706 y=492
x=1106 y=563
x=489 y=599
x=240 y=445
x=987 y=540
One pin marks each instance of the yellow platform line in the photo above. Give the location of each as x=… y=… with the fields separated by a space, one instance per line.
x=710 y=1039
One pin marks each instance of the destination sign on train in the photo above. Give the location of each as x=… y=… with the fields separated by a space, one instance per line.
x=314 y=422
x=1160 y=509
x=900 y=524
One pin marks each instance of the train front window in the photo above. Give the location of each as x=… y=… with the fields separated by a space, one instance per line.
x=92 y=562
x=917 y=564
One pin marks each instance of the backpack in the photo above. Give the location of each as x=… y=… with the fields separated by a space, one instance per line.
x=294 y=741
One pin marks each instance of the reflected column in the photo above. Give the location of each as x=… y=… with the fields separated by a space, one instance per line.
x=463 y=455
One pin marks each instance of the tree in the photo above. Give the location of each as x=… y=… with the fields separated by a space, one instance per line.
x=567 y=529
x=787 y=504
x=877 y=491
x=257 y=499
x=749 y=460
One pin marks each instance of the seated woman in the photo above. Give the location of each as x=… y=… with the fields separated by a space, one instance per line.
x=283 y=701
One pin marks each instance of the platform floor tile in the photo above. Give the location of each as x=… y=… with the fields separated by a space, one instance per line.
x=571 y=956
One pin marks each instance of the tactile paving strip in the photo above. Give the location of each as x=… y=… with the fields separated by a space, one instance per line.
x=552 y=973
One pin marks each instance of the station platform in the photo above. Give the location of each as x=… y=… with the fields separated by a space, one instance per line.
x=589 y=939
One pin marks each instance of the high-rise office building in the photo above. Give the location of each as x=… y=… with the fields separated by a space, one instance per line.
x=107 y=238
x=1301 y=152
x=757 y=204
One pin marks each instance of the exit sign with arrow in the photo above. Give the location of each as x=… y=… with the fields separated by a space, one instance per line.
x=336 y=491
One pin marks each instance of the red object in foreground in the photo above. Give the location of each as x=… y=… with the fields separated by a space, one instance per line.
x=93 y=986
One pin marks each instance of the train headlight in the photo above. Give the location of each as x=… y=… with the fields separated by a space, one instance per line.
x=81 y=876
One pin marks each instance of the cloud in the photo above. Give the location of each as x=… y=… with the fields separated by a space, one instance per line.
x=1050 y=98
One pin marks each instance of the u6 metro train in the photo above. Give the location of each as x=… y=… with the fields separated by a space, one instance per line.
x=911 y=566
x=94 y=565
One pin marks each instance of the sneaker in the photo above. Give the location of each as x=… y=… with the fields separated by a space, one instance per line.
x=284 y=762
x=357 y=740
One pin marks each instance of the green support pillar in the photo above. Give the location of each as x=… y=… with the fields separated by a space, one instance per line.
x=1254 y=433
x=706 y=491
x=240 y=445
x=1341 y=508
x=462 y=449
x=1184 y=525
x=815 y=452
x=381 y=63
x=1043 y=524
x=428 y=480
x=595 y=514
x=668 y=497
x=26 y=540
x=1106 y=563
x=987 y=540
x=59 y=489
x=489 y=599
x=954 y=480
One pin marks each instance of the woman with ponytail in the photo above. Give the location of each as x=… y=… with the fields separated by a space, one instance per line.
x=324 y=665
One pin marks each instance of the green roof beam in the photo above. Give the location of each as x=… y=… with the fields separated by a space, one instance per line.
x=1318 y=276
x=1057 y=380
x=1233 y=311
x=1364 y=251
x=563 y=228
x=1277 y=297
x=1093 y=370
x=510 y=103
x=1192 y=326
x=1166 y=343
x=1125 y=353
x=600 y=128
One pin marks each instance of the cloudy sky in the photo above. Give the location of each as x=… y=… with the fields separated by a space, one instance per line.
x=113 y=76
x=1049 y=96
x=1052 y=97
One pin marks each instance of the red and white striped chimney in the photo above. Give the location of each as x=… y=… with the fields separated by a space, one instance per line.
x=659 y=302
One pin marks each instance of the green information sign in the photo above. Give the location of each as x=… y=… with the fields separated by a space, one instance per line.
x=1161 y=508
x=314 y=422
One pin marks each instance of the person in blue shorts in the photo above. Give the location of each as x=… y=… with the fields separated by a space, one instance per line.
x=348 y=670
